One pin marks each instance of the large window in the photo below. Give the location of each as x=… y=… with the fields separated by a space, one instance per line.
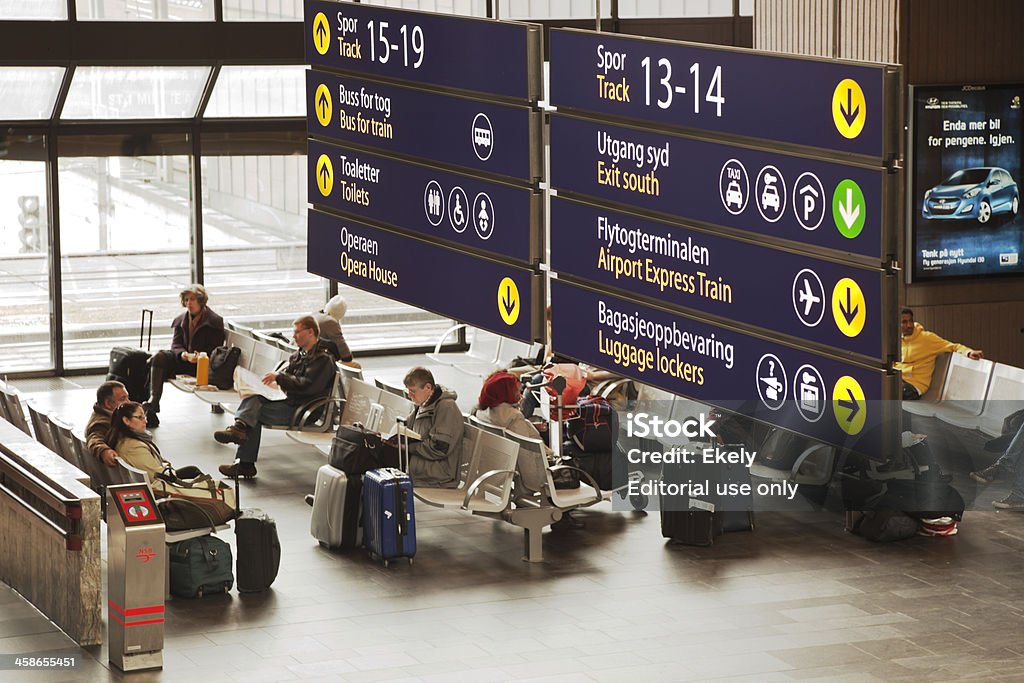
x=125 y=223
x=25 y=304
x=144 y=10
x=141 y=92
x=29 y=93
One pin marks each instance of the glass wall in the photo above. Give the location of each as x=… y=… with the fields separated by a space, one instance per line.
x=125 y=224
x=24 y=280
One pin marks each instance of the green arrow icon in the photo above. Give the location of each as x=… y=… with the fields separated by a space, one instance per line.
x=848 y=209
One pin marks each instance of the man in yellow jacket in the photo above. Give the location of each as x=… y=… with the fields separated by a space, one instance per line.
x=920 y=347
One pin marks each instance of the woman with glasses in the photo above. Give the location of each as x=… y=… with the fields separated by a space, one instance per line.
x=134 y=445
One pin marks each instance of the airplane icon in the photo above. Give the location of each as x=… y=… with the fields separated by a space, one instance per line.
x=807 y=298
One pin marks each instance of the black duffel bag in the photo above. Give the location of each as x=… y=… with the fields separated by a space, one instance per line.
x=223 y=361
x=355 y=450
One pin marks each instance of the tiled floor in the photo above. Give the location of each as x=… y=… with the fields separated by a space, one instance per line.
x=798 y=599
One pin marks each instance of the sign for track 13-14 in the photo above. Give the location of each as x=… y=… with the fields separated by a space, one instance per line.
x=803 y=101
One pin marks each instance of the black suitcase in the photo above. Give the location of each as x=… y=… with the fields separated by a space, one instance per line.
x=693 y=527
x=129 y=365
x=258 y=554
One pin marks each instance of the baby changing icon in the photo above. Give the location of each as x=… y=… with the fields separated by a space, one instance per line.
x=483 y=216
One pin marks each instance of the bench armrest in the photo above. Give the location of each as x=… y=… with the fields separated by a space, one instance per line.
x=472 y=488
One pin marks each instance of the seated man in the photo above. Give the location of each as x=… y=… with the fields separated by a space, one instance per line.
x=309 y=375
x=331 y=337
x=196 y=330
x=434 y=459
x=109 y=396
x=919 y=350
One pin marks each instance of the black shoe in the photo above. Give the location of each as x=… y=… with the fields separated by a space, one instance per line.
x=988 y=475
x=233 y=434
x=152 y=420
x=309 y=499
x=245 y=470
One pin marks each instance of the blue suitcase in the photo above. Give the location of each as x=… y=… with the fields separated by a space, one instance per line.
x=389 y=519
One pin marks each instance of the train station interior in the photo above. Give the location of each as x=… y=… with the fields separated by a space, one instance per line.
x=150 y=144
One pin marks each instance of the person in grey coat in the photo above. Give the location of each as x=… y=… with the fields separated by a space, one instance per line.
x=434 y=459
x=331 y=337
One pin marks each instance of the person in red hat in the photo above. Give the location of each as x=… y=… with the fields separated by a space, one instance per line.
x=498 y=404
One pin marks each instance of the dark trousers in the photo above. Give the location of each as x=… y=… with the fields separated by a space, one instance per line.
x=910 y=393
x=164 y=365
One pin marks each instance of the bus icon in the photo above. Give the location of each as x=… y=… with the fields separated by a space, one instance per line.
x=483 y=137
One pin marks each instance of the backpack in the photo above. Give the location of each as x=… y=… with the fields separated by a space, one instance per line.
x=223 y=361
x=882 y=526
x=595 y=426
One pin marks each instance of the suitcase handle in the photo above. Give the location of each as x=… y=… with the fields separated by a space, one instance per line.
x=142 y=327
x=403 y=444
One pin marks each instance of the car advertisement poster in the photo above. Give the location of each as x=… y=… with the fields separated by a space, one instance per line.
x=967 y=182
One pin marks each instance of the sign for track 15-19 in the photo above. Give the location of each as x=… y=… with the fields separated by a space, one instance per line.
x=480 y=55
x=805 y=101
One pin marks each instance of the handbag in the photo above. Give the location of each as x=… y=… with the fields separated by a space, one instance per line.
x=223 y=361
x=195 y=502
x=355 y=450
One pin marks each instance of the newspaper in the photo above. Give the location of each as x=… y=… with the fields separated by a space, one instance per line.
x=248 y=383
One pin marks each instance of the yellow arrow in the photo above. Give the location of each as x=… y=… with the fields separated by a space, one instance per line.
x=848 y=405
x=849 y=309
x=323 y=105
x=508 y=301
x=849 y=108
x=324 y=175
x=321 y=33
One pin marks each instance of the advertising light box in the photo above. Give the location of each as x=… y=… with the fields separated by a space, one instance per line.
x=474 y=290
x=822 y=103
x=804 y=297
x=497 y=58
x=966 y=181
x=810 y=202
x=836 y=402
x=467 y=210
x=479 y=136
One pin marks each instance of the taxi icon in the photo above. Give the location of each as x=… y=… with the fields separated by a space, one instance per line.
x=733 y=195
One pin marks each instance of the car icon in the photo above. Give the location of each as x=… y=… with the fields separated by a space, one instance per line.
x=733 y=195
x=977 y=193
x=770 y=197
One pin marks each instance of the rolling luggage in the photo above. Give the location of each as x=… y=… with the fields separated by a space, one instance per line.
x=130 y=365
x=692 y=527
x=259 y=551
x=389 y=519
x=337 y=507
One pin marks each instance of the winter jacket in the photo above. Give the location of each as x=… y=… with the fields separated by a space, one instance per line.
x=141 y=456
x=96 y=431
x=330 y=333
x=208 y=335
x=509 y=418
x=919 y=352
x=307 y=376
x=434 y=460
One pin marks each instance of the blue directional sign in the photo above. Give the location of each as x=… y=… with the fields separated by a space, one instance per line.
x=806 y=298
x=830 y=104
x=477 y=135
x=493 y=57
x=478 y=291
x=813 y=394
x=466 y=210
x=785 y=196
